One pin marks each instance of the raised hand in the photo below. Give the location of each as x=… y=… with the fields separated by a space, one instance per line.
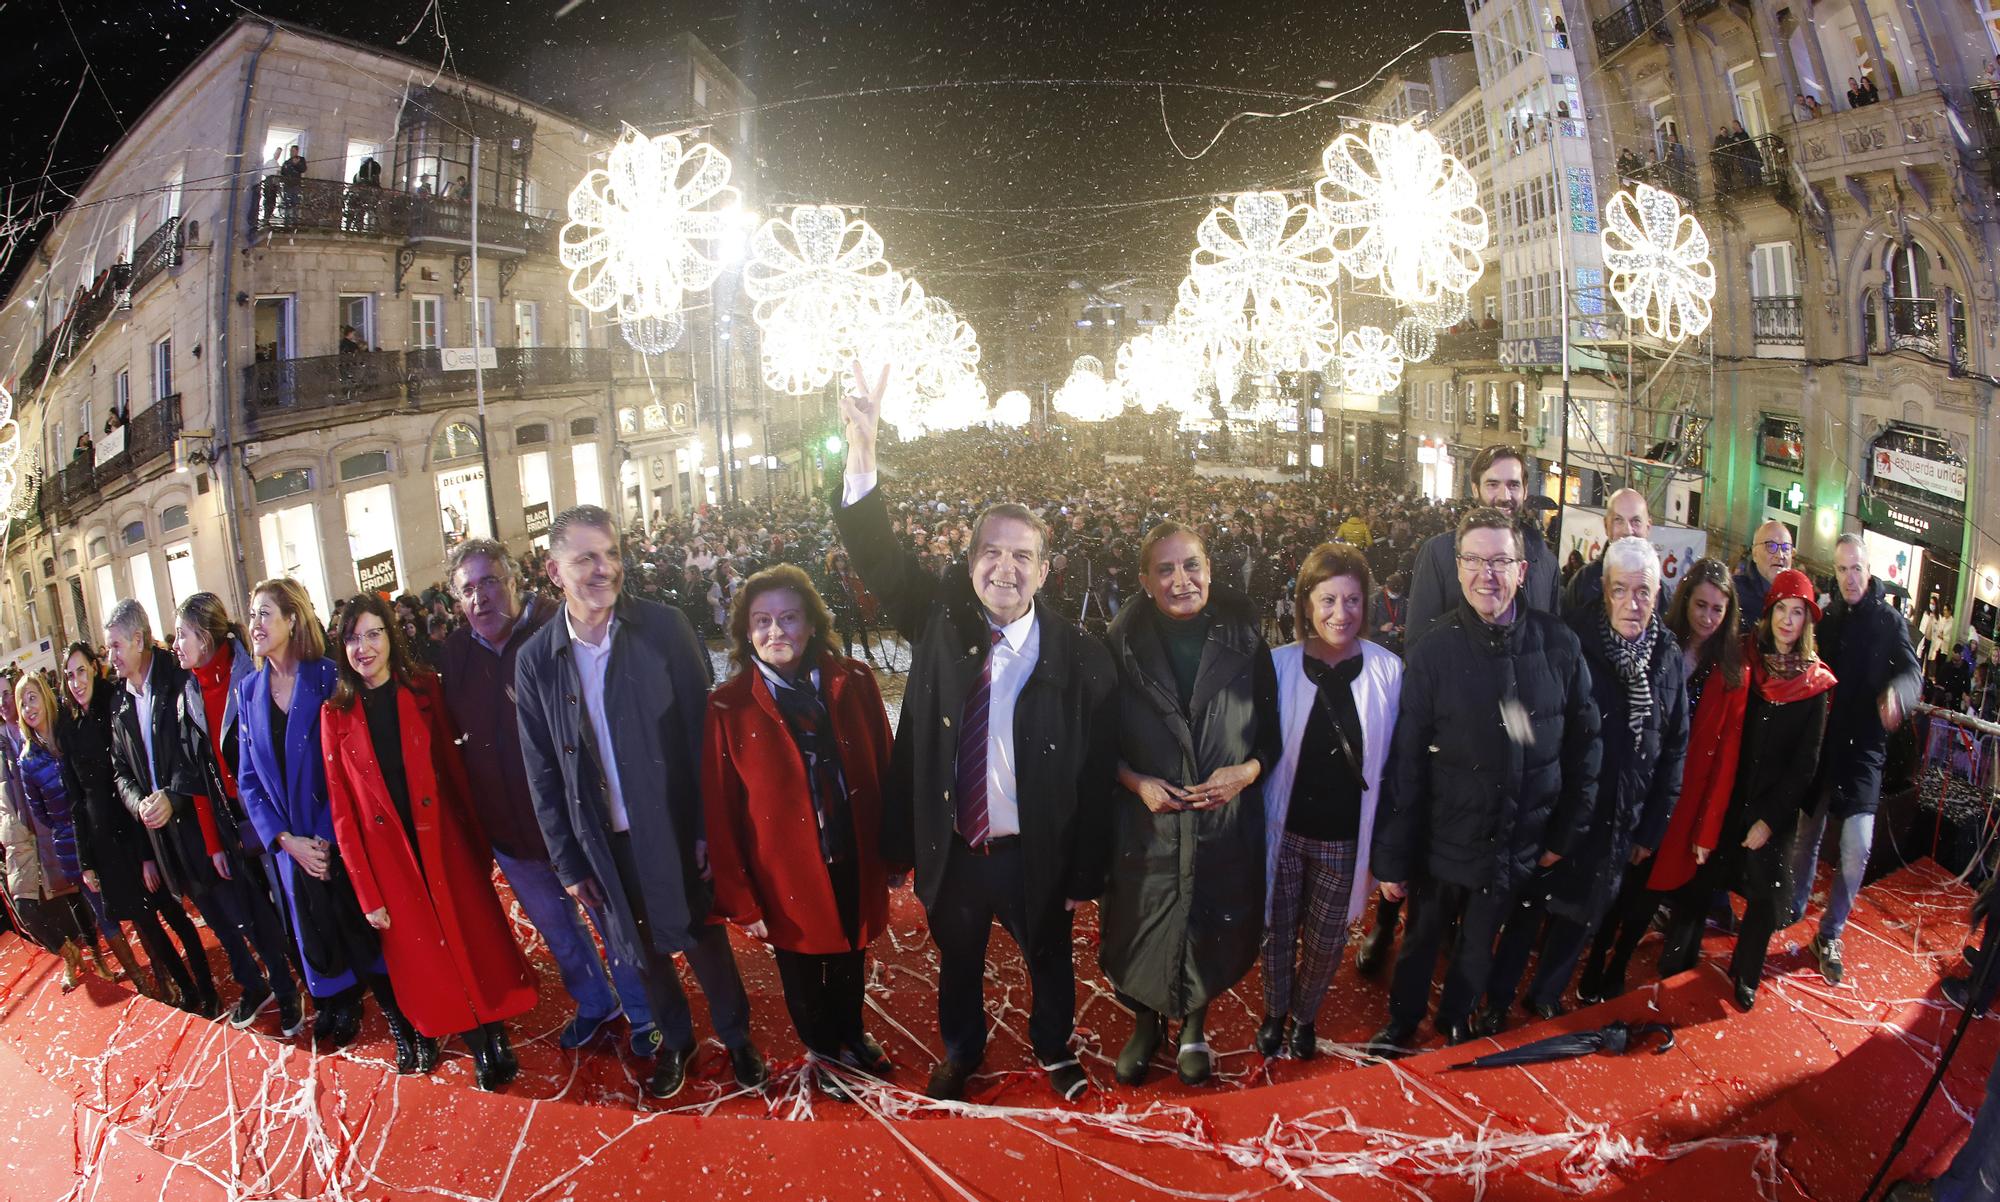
x=861 y=408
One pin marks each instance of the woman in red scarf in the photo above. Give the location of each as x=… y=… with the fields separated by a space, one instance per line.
x=1783 y=724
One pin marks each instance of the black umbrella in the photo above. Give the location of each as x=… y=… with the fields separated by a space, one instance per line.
x=1616 y=1039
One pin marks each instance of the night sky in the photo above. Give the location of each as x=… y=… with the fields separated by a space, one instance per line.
x=981 y=176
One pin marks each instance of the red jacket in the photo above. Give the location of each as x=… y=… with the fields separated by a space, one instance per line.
x=763 y=842
x=1715 y=736
x=450 y=950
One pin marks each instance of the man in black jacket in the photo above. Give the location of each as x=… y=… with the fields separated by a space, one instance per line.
x=1000 y=781
x=1626 y=515
x=1493 y=774
x=195 y=846
x=1866 y=643
x=1770 y=553
x=1500 y=474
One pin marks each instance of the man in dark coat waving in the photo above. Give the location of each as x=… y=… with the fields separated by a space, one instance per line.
x=1493 y=773
x=1866 y=643
x=1001 y=775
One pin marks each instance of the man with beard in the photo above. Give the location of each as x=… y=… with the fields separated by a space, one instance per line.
x=1500 y=473
x=1770 y=553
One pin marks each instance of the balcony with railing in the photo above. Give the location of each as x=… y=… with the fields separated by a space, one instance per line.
x=1748 y=166
x=1690 y=9
x=449 y=222
x=93 y=306
x=148 y=437
x=160 y=250
x=1468 y=346
x=1667 y=166
x=1778 y=325
x=1904 y=133
x=1986 y=120
x=74 y=487
x=519 y=368
x=1628 y=24
x=328 y=206
x=277 y=388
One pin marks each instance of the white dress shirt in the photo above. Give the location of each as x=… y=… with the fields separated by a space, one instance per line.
x=1013 y=662
x=592 y=660
x=142 y=700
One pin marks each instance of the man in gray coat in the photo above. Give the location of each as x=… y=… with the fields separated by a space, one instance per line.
x=611 y=699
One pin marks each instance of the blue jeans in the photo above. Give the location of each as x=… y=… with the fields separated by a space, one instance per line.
x=1857 y=835
x=554 y=913
x=1974 y=1175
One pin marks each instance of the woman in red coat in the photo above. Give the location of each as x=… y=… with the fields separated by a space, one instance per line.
x=1703 y=620
x=796 y=750
x=421 y=869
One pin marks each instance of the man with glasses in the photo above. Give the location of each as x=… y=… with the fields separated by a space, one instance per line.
x=1770 y=553
x=1500 y=474
x=1495 y=774
x=1866 y=642
x=477 y=664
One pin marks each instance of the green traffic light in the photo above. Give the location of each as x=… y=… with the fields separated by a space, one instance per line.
x=833 y=444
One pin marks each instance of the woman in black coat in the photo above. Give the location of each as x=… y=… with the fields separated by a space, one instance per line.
x=1783 y=728
x=1183 y=908
x=111 y=846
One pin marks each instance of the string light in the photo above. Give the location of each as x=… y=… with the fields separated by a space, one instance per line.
x=1657 y=260
x=1013 y=410
x=10 y=459
x=646 y=229
x=1296 y=330
x=1261 y=243
x=1416 y=338
x=1156 y=370
x=1400 y=210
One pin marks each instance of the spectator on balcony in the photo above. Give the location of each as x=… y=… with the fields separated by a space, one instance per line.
x=369 y=175
x=1870 y=91
x=1805 y=108
x=1857 y=95
x=351 y=341
x=1562 y=35
x=114 y=421
x=290 y=174
x=424 y=190
x=270 y=185
x=1723 y=160
x=85 y=447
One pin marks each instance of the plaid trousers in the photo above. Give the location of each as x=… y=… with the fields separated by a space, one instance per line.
x=1309 y=908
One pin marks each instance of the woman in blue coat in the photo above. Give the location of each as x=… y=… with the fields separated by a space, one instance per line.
x=281 y=779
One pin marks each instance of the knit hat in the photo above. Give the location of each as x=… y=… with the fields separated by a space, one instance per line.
x=1793 y=584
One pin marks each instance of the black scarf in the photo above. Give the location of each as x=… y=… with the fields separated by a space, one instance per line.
x=807 y=717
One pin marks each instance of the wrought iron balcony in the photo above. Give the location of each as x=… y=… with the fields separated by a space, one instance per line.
x=1777 y=320
x=1691 y=9
x=1670 y=168
x=160 y=250
x=1748 y=166
x=1468 y=346
x=327 y=206
x=149 y=435
x=278 y=387
x=75 y=487
x=502 y=229
x=1628 y=25
x=519 y=368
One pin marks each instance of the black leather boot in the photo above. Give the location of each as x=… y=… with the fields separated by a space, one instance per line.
x=497 y=1033
x=487 y=1072
x=1375 y=946
x=408 y=1042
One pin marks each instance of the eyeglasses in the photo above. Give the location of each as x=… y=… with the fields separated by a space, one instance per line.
x=484 y=586
x=1778 y=548
x=1497 y=565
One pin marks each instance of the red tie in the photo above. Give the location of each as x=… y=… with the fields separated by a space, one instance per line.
x=974 y=823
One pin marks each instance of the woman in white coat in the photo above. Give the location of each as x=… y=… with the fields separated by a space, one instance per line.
x=1337 y=698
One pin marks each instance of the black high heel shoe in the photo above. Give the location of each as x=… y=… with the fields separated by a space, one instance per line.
x=488 y=1073
x=497 y=1034
x=409 y=1044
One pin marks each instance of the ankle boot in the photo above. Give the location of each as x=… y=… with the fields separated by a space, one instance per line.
x=1137 y=1058
x=1374 y=952
x=504 y=1049
x=72 y=958
x=487 y=1072
x=407 y=1040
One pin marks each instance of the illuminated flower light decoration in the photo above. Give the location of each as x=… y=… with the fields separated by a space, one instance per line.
x=1155 y=370
x=1085 y=395
x=10 y=460
x=1657 y=259
x=1012 y=411
x=1370 y=361
x=1213 y=331
x=812 y=278
x=643 y=231
x=1295 y=330
x=1402 y=211
x=1416 y=338
x=933 y=358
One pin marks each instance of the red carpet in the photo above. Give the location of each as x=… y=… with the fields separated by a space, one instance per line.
x=110 y=1096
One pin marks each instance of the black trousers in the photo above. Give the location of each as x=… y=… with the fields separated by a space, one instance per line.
x=55 y=921
x=1460 y=921
x=1630 y=918
x=239 y=911
x=978 y=889
x=824 y=992
x=1764 y=878
x=187 y=968
x=713 y=963
x=1562 y=944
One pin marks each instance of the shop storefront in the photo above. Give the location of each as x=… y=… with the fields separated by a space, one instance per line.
x=461 y=485
x=1913 y=516
x=537 y=497
x=372 y=538
x=1781 y=464
x=1436 y=475
x=289 y=531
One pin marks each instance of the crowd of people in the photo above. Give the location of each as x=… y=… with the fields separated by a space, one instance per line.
x=1182 y=699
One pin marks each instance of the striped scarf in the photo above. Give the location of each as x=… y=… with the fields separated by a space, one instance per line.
x=1632 y=659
